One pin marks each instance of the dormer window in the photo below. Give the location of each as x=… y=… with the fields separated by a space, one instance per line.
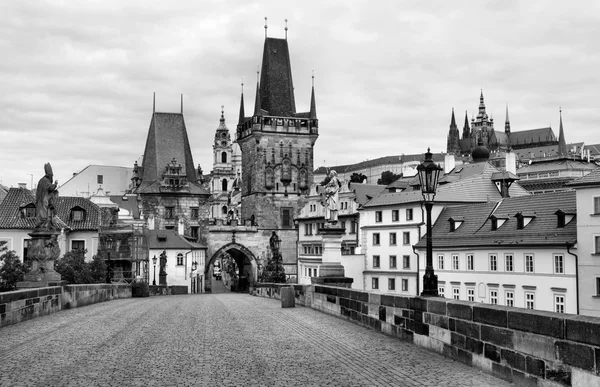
x=497 y=222
x=523 y=219
x=28 y=211
x=77 y=214
x=563 y=218
x=455 y=222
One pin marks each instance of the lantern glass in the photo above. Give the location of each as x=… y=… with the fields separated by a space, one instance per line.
x=154 y=260
x=429 y=174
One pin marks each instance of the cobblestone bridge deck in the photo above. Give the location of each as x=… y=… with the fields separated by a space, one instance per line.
x=215 y=340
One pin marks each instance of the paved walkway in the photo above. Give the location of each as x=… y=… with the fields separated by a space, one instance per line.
x=215 y=340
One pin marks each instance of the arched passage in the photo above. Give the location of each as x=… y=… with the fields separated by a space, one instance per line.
x=218 y=281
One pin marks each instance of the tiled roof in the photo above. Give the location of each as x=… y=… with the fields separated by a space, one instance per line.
x=365 y=192
x=169 y=239
x=594 y=149
x=3 y=192
x=167 y=140
x=592 y=178
x=556 y=165
x=276 y=87
x=532 y=136
x=12 y=218
x=476 y=230
x=128 y=202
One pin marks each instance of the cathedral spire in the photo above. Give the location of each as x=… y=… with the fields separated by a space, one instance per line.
x=507 y=123
x=453 y=144
x=562 y=144
x=453 y=120
x=242 y=113
x=481 y=106
x=313 y=104
x=466 y=128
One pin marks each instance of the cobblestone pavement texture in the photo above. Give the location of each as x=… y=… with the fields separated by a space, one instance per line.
x=215 y=340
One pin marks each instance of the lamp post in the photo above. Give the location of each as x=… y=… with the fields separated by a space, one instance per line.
x=194 y=283
x=429 y=174
x=154 y=262
x=109 y=243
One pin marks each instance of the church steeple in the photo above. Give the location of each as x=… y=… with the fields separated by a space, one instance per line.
x=507 y=123
x=481 y=113
x=313 y=104
x=242 y=113
x=276 y=86
x=453 y=144
x=466 y=128
x=562 y=144
x=257 y=107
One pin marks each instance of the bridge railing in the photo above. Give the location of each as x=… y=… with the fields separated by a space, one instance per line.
x=527 y=347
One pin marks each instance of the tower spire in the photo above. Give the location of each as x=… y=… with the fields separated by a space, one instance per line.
x=507 y=123
x=266 y=27
x=257 y=100
x=181 y=103
x=562 y=144
x=242 y=113
x=153 y=102
x=453 y=120
x=286 y=29
x=313 y=104
x=466 y=128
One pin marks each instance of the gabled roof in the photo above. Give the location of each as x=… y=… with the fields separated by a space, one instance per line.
x=17 y=198
x=169 y=239
x=167 y=140
x=365 y=192
x=591 y=179
x=531 y=136
x=476 y=231
x=276 y=87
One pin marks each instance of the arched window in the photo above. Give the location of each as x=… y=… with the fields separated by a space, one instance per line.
x=179 y=259
x=224 y=210
x=224 y=157
x=224 y=185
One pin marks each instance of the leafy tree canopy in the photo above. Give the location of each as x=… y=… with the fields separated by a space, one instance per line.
x=388 y=177
x=357 y=177
x=11 y=269
x=75 y=270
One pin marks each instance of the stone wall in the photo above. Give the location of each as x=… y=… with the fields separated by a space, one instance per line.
x=22 y=305
x=526 y=347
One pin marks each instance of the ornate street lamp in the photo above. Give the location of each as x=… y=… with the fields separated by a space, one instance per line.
x=109 y=244
x=154 y=262
x=429 y=174
x=194 y=265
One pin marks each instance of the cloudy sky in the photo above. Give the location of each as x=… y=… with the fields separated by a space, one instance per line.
x=77 y=77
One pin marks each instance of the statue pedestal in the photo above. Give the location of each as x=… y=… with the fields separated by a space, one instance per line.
x=162 y=279
x=331 y=271
x=43 y=250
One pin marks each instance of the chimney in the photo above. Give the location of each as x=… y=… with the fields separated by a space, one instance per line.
x=449 y=162
x=180 y=227
x=511 y=163
x=23 y=185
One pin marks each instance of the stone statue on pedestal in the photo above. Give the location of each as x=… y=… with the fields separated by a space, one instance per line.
x=332 y=198
x=45 y=199
x=162 y=274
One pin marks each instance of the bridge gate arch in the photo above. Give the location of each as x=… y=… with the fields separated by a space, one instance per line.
x=247 y=269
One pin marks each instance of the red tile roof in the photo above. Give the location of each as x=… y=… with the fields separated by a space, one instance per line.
x=592 y=178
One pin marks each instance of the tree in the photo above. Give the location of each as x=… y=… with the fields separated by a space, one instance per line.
x=388 y=177
x=11 y=270
x=73 y=268
x=357 y=177
x=97 y=269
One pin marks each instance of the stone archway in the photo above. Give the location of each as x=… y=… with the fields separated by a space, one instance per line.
x=247 y=269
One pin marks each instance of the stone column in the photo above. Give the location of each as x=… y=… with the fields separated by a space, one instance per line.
x=43 y=250
x=331 y=271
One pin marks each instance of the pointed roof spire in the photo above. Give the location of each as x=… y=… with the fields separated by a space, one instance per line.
x=242 y=113
x=257 y=108
x=481 y=106
x=286 y=29
x=222 y=119
x=313 y=104
x=181 y=103
x=266 y=27
x=562 y=144
x=466 y=128
x=453 y=121
x=507 y=123
x=276 y=86
x=153 y=102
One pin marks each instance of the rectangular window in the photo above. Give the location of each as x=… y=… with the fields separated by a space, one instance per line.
x=169 y=212
x=471 y=294
x=375 y=283
x=392 y=261
x=395 y=215
x=195 y=212
x=409 y=214
x=353 y=227
x=529 y=263
x=30 y=212
x=391 y=284
x=376 y=238
x=441 y=261
x=510 y=298
x=308 y=229
x=530 y=300
x=454 y=261
x=406 y=261
x=100 y=179
x=597 y=205
x=194 y=232
x=493 y=262
x=405 y=285
x=378 y=216
x=559 y=264
x=392 y=238
x=343 y=226
x=456 y=293
x=441 y=290
x=508 y=262
x=376 y=261
x=470 y=262
x=597 y=286
x=559 y=303
x=406 y=238
x=77 y=245
x=77 y=215
x=286 y=218
x=597 y=244
x=493 y=296
x=179 y=259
